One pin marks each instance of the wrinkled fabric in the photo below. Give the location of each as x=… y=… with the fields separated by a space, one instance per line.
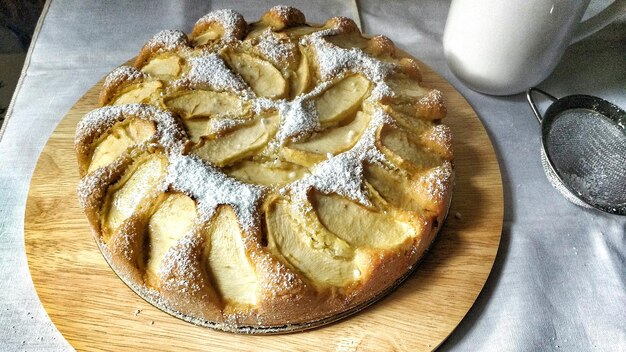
x=559 y=281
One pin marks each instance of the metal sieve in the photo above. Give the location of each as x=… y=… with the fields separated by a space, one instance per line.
x=584 y=150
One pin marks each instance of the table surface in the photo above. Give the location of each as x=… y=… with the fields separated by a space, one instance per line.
x=559 y=281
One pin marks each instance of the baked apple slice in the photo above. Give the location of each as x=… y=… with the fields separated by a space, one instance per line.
x=342 y=99
x=138 y=183
x=359 y=226
x=264 y=79
x=301 y=78
x=333 y=141
x=238 y=144
x=167 y=66
x=206 y=103
x=322 y=257
x=228 y=263
x=172 y=218
x=268 y=173
x=147 y=92
x=117 y=141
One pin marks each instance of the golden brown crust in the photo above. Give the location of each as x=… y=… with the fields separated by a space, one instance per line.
x=411 y=68
x=380 y=45
x=169 y=131
x=389 y=267
x=163 y=41
x=281 y=17
x=119 y=78
x=92 y=189
x=286 y=295
x=429 y=107
x=227 y=24
x=126 y=247
x=343 y=25
x=185 y=284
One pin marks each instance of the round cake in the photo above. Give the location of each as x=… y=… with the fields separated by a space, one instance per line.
x=268 y=176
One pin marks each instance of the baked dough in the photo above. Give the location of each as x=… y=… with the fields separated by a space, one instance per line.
x=265 y=177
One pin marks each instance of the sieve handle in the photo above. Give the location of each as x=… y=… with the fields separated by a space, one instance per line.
x=533 y=105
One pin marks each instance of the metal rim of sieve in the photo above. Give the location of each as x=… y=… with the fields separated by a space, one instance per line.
x=558 y=106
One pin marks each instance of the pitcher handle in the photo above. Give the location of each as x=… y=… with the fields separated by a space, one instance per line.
x=600 y=20
x=533 y=105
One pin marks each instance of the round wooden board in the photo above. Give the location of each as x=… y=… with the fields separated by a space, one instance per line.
x=96 y=311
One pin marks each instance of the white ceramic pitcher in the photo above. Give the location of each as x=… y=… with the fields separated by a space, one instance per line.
x=503 y=47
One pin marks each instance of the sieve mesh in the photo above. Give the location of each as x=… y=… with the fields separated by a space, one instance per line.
x=558 y=184
x=588 y=153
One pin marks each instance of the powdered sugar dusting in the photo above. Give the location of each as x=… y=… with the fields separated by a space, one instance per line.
x=211 y=187
x=263 y=104
x=90 y=184
x=169 y=132
x=434 y=97
x=210 y=70
x=229 y=19
x=168 y=40
x=280 y=280
x=298 y=118
x=438 y=180
x=180 y=269
x=123 y=73
x=221 y=125
x=274 y=49
x=380 y=91
x=343 y=173
x=335 y=61
x=282 y=10
x=441 y=135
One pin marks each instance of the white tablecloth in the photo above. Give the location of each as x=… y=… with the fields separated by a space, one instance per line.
x=559 y=281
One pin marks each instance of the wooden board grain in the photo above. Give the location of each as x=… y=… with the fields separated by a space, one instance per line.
x=96 y=311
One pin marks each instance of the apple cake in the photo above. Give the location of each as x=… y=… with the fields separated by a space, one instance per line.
x=268 y=176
